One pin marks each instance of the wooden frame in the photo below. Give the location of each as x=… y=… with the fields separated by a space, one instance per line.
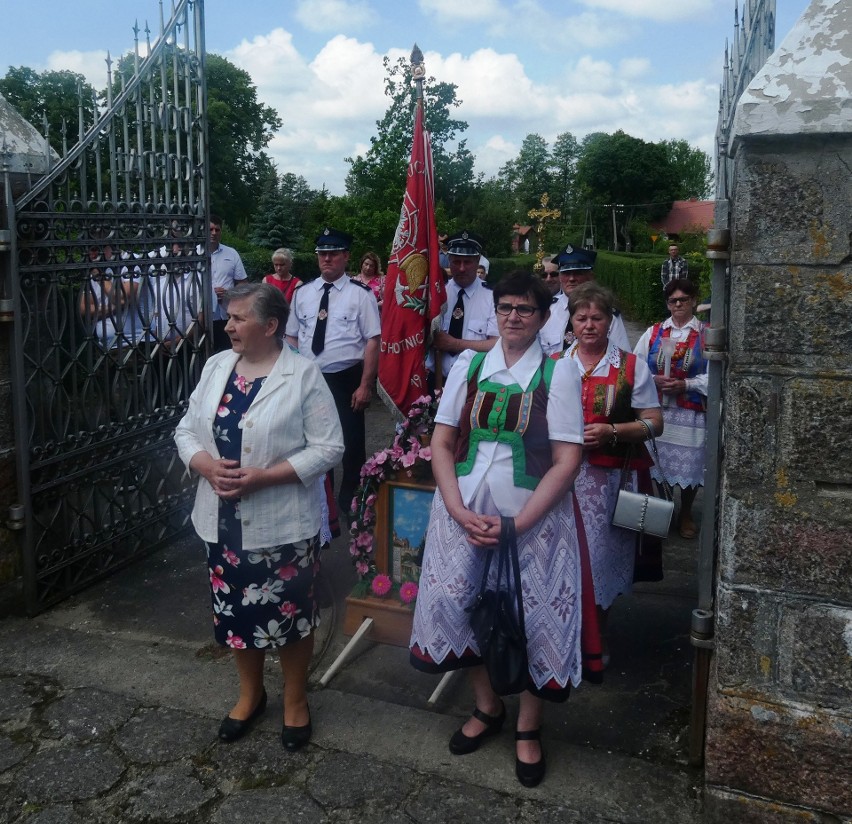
x=391 y=619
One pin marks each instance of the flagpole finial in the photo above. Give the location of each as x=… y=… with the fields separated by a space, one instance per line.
x=418 y=70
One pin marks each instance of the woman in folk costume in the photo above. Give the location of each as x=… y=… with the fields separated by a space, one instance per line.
x=683 y=392
x=507 y=442
x=617 y=393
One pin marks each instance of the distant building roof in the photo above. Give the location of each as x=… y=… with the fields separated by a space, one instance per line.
x=686 y=215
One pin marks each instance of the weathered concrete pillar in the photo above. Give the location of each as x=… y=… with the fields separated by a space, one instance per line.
x=779 y=738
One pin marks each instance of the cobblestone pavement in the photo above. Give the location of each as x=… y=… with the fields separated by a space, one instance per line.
x=110 y=703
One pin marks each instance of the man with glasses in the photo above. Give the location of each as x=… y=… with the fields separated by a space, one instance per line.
x=334 y=320
x=468 y=321
x=575 y=266
x=675 y=267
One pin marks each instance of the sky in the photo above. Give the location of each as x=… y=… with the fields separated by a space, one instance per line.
x=649 y=67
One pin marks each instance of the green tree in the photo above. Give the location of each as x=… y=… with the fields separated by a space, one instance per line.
x=528 y=176
x=629 y=176
x=489 y=211
x=54 y=95
x=376 y=180
x=563 y=172
x=239 y=127
x=693 y=169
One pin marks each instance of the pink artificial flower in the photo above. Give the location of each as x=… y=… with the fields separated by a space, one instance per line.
x=371 y=500
x=285 y=573
x=354 y=550
x=365 y=539
x=353 y=507
x=362 y=567
x=381 y=585
x=408 y=592
x=234 y=641
x=382 y=456
x=425 y=453
x=408 y=459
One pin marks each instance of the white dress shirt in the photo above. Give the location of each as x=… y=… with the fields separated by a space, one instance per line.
x=226 y=269
x=552 y=334
x=292 y=418
x=492 y=476
x=353 y=319
x=479 y=323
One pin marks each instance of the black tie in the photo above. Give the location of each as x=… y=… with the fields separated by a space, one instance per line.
x=318 y=343
x=456 y=329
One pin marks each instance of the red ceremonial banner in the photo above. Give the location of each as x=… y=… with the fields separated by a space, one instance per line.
x=414 y=285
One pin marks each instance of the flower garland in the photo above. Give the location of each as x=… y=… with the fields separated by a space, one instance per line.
x=402 y=456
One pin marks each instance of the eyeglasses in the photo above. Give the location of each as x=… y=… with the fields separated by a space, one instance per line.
x=677 y=301
x=548 y=275
x=524 y=310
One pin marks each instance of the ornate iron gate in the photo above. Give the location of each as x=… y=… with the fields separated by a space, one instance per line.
x=109 y=279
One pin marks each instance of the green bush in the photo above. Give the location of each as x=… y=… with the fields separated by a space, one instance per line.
x=635 y=279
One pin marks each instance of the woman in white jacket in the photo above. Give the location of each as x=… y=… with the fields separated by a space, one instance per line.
x=260 y=429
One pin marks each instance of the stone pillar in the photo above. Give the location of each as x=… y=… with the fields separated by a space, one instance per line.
x=779 y=735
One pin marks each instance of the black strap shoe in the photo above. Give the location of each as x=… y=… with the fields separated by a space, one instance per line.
x=461 y=744
x=294 y=738
x=530 y=775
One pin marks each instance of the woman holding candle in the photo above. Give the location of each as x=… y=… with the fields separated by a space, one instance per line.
x=673 y=349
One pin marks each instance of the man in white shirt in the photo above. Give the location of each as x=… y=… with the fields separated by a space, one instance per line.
x=334 y=320
x=575 y=266
x=468 y=321
x=226 y=269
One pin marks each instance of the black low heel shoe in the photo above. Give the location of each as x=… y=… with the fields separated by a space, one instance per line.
x=461 y=744
x=529 y=775
x=232 y=730
x=294 y=738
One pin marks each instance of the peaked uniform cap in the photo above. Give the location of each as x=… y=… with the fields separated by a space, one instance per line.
x=464 y=243
x=332 y=240
x=571 y=259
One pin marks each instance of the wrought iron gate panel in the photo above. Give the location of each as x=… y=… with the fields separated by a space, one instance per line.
x=110 y=280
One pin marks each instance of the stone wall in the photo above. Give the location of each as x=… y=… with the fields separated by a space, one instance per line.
x=779 y=737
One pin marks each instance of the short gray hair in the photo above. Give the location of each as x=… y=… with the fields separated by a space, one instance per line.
x=268 y=302
x=287 y=254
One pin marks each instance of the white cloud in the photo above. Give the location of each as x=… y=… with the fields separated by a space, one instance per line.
x=91 y=64
x=653 y=9
x=330 y=15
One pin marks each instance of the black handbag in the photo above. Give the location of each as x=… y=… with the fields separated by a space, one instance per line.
x=498 y=628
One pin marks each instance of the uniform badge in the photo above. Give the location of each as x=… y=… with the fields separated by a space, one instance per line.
x=458 y=314
x=569 y=337
x=569 y=249
x=322 y=314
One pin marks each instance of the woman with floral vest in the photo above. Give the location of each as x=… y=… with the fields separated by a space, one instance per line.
x=680 y=373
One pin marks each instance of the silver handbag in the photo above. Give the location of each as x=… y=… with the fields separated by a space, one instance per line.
x=640 y=512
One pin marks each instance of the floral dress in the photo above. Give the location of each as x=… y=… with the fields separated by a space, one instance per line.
x=262 y=598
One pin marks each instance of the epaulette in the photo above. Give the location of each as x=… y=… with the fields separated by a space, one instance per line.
x=486 y=285
x=616 y=313
x=362 y=285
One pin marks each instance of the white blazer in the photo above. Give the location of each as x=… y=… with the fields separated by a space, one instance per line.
x=292 y=418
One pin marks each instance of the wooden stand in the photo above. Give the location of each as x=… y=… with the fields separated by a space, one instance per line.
x=391 y=619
